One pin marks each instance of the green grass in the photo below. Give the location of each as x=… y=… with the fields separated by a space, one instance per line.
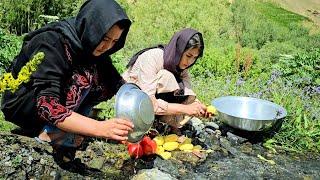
x=279 y=15
x=155 y=22
x=5 y=125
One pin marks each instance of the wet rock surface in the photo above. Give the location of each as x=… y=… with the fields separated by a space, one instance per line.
x=227 y=154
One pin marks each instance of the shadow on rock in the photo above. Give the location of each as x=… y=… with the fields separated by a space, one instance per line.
x=132 y=166
x=252 y=136
x=76 y=166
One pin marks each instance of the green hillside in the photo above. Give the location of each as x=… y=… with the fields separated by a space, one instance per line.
x=307 y=8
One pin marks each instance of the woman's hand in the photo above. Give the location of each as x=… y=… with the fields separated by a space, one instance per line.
x=116 y=129
x=196 y=109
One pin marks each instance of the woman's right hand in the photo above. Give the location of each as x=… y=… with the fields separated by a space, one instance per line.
x=195 y=109
x=115 y=128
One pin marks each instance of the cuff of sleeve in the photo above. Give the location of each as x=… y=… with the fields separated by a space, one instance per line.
x=161 y=107
x=49 y=109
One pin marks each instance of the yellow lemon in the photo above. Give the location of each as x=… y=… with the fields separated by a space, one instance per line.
x=171 y=138
x=212 y=109
x=187 y=141
x=159 y=150
x=165 y=155
x=159 y=140
x=170 y=146
x=184 y=147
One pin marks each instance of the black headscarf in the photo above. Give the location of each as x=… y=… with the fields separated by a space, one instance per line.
x=87 y=29
x=172 y=51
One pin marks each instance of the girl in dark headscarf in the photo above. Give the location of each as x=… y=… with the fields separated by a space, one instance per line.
x=76 y=74
x=162 y=72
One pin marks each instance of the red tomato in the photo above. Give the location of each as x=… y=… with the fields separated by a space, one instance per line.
x=135 y=150
x=149 y=146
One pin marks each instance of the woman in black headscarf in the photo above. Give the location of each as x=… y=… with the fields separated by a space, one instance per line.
x=76 y=74
x=162 y=72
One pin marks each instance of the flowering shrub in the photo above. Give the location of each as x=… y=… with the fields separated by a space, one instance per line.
x=8 y=82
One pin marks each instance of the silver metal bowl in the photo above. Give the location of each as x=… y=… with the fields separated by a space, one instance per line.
x=134 y=104
x=248 y=113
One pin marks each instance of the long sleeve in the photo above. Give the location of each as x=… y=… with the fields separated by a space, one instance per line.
x=50 y=78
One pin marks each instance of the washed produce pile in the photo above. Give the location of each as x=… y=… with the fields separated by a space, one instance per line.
x=172 y=142
x=164 y=145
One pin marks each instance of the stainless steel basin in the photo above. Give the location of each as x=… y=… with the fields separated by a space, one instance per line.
x=248 y=113
x=134 y=104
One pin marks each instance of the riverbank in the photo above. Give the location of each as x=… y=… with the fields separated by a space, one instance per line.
x=230 y=157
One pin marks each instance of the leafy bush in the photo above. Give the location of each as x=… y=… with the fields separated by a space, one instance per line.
x=215 y=62
x=307 y=42
x=106 y=109
x=117 y=61
x=303 y=69
x=23 y=16
x=270 y=53
x=300 y=131
x=9 y=48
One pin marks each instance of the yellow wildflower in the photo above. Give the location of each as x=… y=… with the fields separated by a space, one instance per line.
x=7 y=82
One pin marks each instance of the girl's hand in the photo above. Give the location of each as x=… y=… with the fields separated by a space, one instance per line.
x=211 y=110
x=208 y=114
x=196 y=109
x=115 y=128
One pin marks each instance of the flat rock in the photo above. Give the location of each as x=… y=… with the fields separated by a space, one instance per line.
x=152 y=174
